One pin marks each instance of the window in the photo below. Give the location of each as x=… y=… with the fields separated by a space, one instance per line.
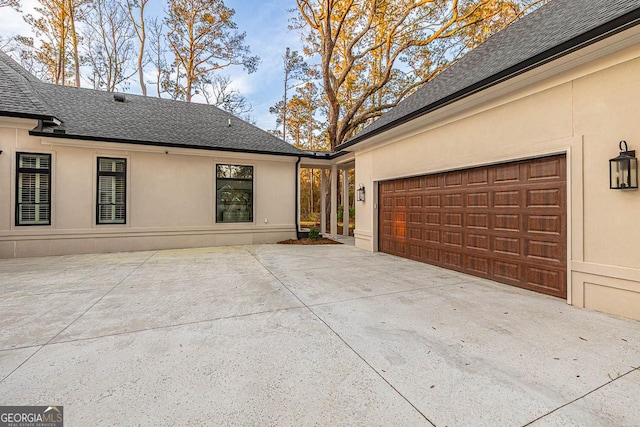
x=234 y=193
x=33 y=189
x=111 y=207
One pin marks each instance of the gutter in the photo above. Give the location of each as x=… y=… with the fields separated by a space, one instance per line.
x=60 y=134
x=299 y=234
x=595 y=35
x=25 y=115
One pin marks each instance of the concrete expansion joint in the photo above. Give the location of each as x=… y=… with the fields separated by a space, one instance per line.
x=81 y=314
x=612 y=380
x=353 y=350
x=176 y=325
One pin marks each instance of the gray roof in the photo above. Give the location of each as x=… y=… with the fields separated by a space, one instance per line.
x=555 y=29
x=17 y=98
x=95 y=115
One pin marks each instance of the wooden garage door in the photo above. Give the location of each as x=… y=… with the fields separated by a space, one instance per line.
x=503 y=222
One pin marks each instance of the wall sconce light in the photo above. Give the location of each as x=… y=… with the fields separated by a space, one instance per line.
x=360 y=193
x=623 y=170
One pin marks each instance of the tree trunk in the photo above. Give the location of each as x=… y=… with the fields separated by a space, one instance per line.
x=143 y=38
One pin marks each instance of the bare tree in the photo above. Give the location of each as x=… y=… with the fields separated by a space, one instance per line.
x=217 y=90
x=139 y=27
x=75 y=12
x=204 y=39
x=295 y=69
x=10 y=3
x=157 y=53
x=109 y=39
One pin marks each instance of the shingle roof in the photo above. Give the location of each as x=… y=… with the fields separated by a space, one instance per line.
x=556 y=28
x=17 y=98
x=95 y=115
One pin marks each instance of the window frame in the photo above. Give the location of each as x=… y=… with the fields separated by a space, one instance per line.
x=217 y=179
x=20 y=170
x=100 y=173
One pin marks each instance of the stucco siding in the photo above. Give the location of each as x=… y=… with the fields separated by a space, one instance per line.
x=582 y=112
x=170 y=197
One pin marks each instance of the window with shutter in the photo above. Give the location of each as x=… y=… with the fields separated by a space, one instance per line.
x=234 y=193
x=33 y=189
x=111 y=206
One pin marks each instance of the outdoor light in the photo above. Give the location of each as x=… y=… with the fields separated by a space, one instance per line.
x=623 y=170
x=360 y=197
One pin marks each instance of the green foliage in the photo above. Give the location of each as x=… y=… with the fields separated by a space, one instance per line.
x=314 y=234
x=352 y=213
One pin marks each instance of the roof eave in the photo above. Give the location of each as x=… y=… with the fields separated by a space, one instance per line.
x=35 y=132
x=21 y=115
x=590 y=37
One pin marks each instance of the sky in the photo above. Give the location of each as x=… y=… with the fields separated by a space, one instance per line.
x=265 y=23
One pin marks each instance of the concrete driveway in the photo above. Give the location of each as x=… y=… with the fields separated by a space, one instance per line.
x=300 y=335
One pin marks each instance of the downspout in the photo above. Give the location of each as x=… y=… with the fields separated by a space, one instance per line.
x=297 y=196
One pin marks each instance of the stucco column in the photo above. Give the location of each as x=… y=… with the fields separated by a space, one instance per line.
x=323 y=203
x=345 y=202
x=333 y=221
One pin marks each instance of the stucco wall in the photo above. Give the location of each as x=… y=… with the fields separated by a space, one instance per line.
x=583 y=111
x=170 y=197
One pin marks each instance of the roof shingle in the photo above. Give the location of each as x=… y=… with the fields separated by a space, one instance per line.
x=95 y=115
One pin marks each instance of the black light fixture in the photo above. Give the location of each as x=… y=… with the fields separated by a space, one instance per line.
x=623 y=170
x=360 y=195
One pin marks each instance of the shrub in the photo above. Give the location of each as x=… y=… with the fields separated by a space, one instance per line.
x=314 y=234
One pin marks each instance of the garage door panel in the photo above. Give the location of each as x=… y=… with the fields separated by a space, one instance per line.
x=452 y=260
x=477 y=220
x=431 y=236
x=544 y=250
x=453 y=200
x=544 y=198
x=479 y=242
x=507 y=246
x=507 y=199
x=452 y=238
x=507 y=222
x=546 y=169
x=478 y=200
x=431 y=201
x=415 y=233
x=452 y=219
x=478 y=265
x=478 y=177
x=507 y=271
x=432 y=181
x=415 y=184
x=547 y=224
x=547 y=281
x=503 y=222
x=453 y=179
x=506 y=174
